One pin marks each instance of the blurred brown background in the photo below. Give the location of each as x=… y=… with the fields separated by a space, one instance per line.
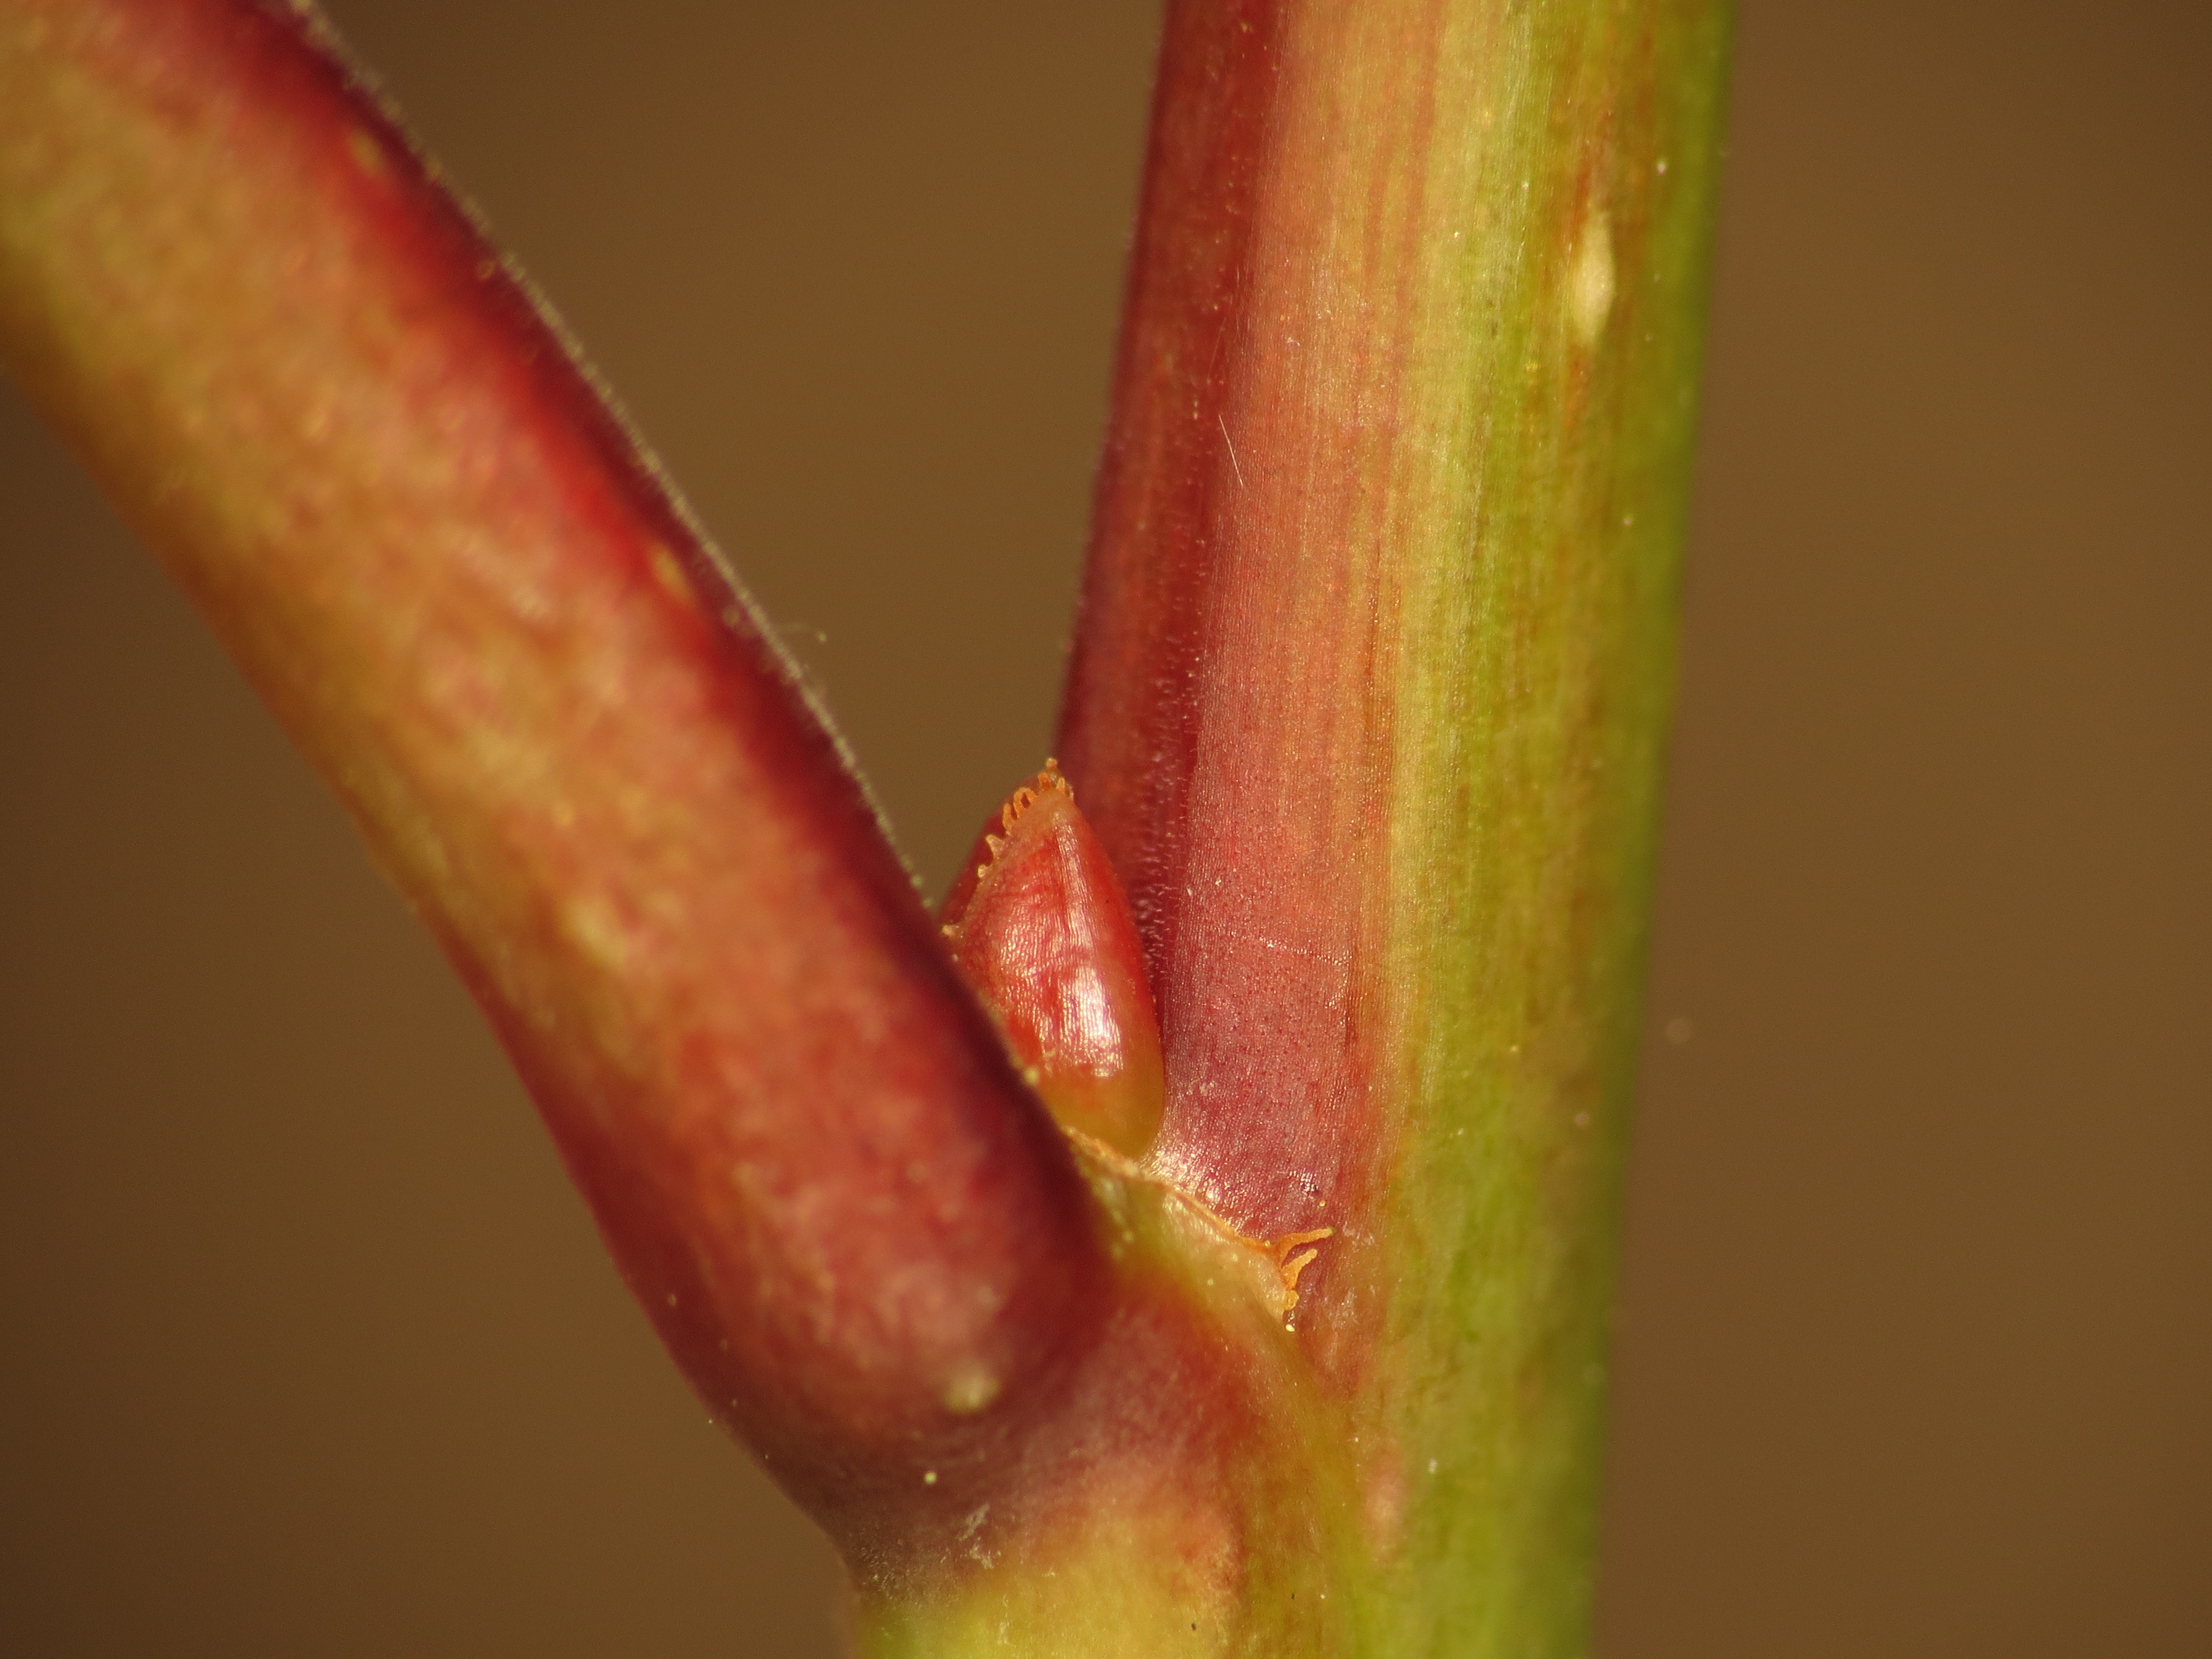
x=307 y=1350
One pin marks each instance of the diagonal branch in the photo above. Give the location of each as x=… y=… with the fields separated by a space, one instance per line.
x=363 y=448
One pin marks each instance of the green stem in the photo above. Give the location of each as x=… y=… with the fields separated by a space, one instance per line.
x=1369 y=700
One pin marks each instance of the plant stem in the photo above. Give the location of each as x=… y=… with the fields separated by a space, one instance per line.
x=1369 y=698
x=1367 y=707
x=368 y=456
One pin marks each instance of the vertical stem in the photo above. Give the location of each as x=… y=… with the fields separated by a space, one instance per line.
x=1369 y=698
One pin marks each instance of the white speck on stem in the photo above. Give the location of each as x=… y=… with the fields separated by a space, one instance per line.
x=1590 y=284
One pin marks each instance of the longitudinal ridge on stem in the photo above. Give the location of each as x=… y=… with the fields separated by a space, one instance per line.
x=1368 y=700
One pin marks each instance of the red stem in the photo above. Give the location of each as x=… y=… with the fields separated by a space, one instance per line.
x=1225 y=726
x=372 y=460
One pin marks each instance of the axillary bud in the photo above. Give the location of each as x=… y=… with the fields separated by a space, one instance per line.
x=1039 y=927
